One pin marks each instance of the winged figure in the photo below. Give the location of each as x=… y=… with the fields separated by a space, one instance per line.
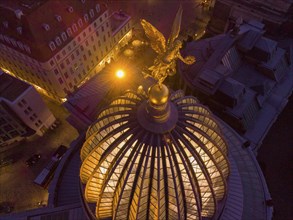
x=168 y=52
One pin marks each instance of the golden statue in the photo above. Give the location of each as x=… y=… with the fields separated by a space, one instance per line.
x=168 y=53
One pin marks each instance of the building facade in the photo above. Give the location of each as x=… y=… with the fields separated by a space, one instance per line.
x=57 y=50
x=276 y=15
x=23 y=111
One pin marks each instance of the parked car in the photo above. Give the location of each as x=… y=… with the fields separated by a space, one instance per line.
x=59 y=152
x=33 y=160
x=7 y=161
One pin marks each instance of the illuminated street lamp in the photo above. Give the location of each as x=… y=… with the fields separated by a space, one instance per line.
x=120 y=74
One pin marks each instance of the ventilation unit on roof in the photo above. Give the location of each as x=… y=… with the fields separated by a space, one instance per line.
x=5 y=24
x=19 y=30
x=46 y=27
x=18 y=13
x=70 y=9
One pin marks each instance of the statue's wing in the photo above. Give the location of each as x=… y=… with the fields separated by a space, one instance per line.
x=176 y=26
x=157 y=39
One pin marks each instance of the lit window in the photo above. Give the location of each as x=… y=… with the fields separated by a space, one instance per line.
x=52 y=46
x=80 y=23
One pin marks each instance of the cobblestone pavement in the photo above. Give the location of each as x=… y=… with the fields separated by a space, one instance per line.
x=16 y=180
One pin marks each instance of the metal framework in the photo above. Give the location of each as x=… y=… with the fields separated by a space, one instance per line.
x=131 y=172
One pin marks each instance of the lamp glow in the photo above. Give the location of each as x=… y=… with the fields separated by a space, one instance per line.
x=120 y=74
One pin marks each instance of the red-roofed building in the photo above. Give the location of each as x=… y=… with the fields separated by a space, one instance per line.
x=57 y=45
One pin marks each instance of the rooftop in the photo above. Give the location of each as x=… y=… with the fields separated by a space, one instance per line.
x=24 y=21
x=11 y=88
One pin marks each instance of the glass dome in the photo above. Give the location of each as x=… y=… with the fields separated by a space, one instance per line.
x=143 y=160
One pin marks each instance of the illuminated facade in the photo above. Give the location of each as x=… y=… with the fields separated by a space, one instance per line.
x=57 y=50
x=155 y=156
x=22 y=111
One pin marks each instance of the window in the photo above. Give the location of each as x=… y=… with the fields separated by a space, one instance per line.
x=84 y=57
x=63 y=52
x=58 y=57
x=97 y=33
x=62 y=65
x=77 y=52
x=60 y=81
x=72 y=56
x=70 y=9
x=69 y=32
x=84 y=34
x=58 y=41
x=89 y=52
x=64 y=36
x=20 y=105
x=94 y=47
x=56 y=71
x=86 y=43
x=92 y=13
x=101 y=19
x=66 y=75
x=58 y=18
x=97 y=8
x=103 y=29
x=67 y=61
x=23 y=102
x=86 y=18
x=80 y=23
x=46 y=27
x=81 y=48
x=74 y=27
x=52 y=62
x=52 y=46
